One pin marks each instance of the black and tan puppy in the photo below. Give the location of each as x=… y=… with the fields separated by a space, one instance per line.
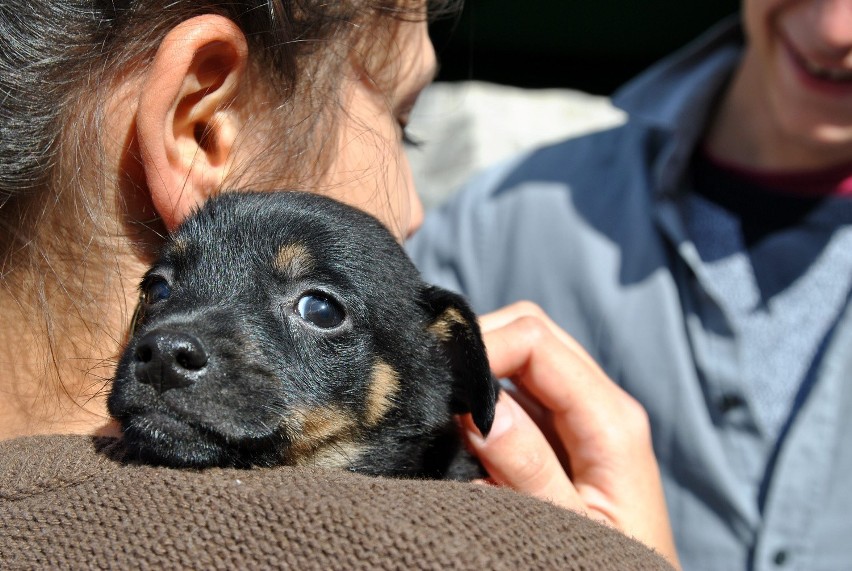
x=287 y=328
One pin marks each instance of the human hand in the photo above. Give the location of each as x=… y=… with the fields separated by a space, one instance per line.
x=601 y=434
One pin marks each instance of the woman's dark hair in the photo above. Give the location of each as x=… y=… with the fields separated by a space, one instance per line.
x=56 y=54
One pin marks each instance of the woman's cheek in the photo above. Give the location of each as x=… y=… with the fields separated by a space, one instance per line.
x=415 y=205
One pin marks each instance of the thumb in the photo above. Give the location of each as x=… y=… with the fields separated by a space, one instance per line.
x=518 y=455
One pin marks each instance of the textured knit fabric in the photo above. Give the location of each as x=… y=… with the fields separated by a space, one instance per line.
x=593 y=230
x=70 y=502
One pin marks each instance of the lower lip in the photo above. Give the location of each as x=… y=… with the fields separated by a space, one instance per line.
x=170 y=425
x=818 y=85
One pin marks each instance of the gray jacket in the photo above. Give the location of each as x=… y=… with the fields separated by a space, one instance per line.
x=592 y=230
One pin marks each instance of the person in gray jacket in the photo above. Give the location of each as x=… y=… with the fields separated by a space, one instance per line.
x=701 y=253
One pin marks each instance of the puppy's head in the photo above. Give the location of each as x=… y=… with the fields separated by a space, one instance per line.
x=287 y=328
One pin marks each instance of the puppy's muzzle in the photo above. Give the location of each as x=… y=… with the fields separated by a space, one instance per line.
x=169 y=359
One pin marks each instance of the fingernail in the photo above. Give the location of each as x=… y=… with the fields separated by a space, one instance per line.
x=503 y=420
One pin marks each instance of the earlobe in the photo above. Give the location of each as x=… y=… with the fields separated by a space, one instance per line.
x=185 y=124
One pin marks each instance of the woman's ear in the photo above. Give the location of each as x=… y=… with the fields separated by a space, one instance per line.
x=185 y=125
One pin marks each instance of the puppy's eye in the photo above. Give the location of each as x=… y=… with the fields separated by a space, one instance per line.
x=156 y=289
x=320 y=310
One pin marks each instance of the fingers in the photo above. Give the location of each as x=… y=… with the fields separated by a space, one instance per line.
x=527 y=349
x=518 y=455
x=605 y=432
x=597 y=422
x=521 y=309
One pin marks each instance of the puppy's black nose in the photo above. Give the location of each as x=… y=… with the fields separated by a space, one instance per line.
x=169 y=359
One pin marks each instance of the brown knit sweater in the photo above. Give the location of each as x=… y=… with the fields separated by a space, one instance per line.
x=71 y=503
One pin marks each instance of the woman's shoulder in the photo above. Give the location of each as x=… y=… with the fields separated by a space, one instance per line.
x=72 y=501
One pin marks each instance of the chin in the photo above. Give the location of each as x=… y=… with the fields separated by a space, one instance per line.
x=163 y=440
x=819 y=144
x=169 y=442
x=832 y=136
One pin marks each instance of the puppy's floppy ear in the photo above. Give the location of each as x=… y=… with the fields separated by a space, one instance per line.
x=454 y=324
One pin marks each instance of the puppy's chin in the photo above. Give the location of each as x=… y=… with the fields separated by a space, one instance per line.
x=161 y=439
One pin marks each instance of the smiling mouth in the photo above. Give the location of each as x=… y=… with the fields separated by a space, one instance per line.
x=837 y=75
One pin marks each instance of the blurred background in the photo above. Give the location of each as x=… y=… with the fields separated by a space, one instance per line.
x=590 y=45
x=517 y=74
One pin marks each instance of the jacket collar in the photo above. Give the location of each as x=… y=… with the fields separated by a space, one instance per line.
x=671 y=102
x=676 y=91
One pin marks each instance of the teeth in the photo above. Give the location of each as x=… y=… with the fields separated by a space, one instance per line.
x=825 y=73
x=840 y=74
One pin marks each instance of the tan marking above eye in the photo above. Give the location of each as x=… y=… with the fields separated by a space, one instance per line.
x=384 y=385
x=294 y=259
x=180 y=245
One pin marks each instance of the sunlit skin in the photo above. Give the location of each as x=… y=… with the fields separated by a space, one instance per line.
x=371 y=170
x=790 y=103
